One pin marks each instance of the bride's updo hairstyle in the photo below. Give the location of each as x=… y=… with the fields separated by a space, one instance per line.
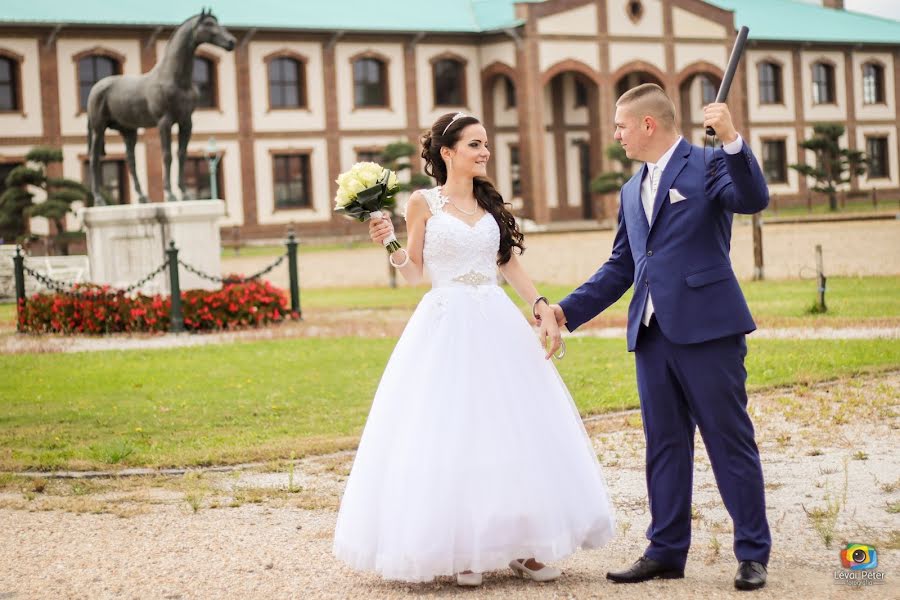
x=444 y=133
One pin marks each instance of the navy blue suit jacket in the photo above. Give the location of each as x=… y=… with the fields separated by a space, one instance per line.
x=682 y=255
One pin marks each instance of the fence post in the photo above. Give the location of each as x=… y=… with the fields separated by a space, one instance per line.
x=293 y=274
x=176 y=322
x=19 y=268
x=820 y=278
x=758 y=273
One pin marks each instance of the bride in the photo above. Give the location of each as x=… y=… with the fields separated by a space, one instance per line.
x=474 y=457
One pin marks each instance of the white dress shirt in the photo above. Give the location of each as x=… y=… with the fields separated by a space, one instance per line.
x=650 y=185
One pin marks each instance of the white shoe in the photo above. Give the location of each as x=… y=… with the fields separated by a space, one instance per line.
x=468 y=579
x=541 y=575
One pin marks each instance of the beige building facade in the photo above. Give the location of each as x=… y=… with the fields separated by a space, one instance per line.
x=289 y=109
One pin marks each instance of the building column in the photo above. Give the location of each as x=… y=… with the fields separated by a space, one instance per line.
x=332 y=126
x=851 y=111
x=245 y=130
x=413 y=127
x=558 y=128
x=153 y=146
x=800 y=130
x=531 y=124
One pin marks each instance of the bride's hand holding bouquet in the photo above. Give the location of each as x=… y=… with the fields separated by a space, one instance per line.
x=364 y=192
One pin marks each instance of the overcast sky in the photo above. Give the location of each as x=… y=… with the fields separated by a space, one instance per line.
x=882 y=8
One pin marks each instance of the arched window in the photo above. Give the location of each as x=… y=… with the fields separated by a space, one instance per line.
x=770 y=88
x=205 y=82
x=823 y=83
x=873 y=83
x=510 y=92
x=370 y=83
x=287 y=83
x=91 y=69
x=449 y=82
x=9 y=85
x=707 y=90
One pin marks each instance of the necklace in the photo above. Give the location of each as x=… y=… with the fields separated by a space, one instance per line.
x=465 y=212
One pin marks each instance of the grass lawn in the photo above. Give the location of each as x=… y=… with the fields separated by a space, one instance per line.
x=860 y=298
x=820 y=207
x=279 y=249
x=259 y=401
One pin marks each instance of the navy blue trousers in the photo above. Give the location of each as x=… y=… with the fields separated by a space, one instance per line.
x=698 y=386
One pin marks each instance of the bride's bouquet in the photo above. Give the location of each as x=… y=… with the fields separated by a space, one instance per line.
x=366 y=190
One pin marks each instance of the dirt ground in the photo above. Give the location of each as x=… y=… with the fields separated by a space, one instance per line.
x=848 y=248
x=829 y=456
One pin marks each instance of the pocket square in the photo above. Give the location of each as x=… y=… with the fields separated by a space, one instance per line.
x=675 y=196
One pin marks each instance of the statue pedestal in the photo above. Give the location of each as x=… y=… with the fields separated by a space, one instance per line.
x=127 y=242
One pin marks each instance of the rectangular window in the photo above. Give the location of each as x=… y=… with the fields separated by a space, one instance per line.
x=877 y=153
x=369 y=156
x=9 y=93
x=114 y=185
x=10 y=231
x=197 y=180
x=774 y=161
x=873 y=84
x=769 y=83
x=515 y=170
x=291 y=177
x=823 y=84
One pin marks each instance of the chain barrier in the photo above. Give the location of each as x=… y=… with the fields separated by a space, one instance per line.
x=216 y=279
x=66 y=287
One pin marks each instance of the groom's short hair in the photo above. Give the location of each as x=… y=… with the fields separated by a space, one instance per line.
x=649 y=99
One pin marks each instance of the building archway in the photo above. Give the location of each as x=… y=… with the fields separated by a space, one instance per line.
x=698 y=85
x=573 y=150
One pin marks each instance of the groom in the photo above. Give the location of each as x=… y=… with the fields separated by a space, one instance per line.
x=686 y=325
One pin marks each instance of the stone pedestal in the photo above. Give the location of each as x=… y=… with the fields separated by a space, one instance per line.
x=127 y=242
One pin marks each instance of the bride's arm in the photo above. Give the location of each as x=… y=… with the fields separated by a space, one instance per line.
x=417 y=213
x=515 y=274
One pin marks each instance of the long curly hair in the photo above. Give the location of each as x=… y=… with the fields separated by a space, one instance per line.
x=486 y=194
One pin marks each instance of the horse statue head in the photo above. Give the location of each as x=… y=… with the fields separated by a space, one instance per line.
x=206 y=30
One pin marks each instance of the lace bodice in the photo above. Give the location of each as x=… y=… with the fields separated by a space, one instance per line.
x=456 y=253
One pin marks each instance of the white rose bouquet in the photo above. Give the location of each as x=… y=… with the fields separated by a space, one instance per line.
x=364 y=191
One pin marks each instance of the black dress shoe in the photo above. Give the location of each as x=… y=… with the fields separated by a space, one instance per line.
x=645 y=569
x=751 y=575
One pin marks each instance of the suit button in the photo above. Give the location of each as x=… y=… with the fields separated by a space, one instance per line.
x=646 y=282
x=649 y=252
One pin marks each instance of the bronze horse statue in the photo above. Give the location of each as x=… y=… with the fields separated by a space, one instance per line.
x=160 y=98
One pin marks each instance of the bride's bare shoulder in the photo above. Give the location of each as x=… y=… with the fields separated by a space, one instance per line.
x=417 y=207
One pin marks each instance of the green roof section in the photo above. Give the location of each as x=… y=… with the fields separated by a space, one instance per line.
x=771 y=20
x=447 y=16
x=788 y=20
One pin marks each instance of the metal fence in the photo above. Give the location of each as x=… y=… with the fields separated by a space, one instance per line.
x=172 y=264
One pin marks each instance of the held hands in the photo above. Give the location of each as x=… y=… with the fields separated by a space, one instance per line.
x=380 y=229
x=550 y=318
x=717 y=116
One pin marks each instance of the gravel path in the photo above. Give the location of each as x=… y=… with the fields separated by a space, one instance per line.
x=251 y=538
x=852 y=248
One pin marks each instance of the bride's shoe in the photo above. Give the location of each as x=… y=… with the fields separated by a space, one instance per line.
x=468 y=579
x=541 y=575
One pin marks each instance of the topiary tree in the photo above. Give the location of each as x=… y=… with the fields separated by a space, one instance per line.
x=834 y=165
x=17 y=202
x=397 y=157
x=613 y=181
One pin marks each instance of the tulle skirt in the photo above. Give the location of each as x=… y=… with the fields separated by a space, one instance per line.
x=473 y=454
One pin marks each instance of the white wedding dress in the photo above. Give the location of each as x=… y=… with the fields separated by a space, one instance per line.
x=474 y=453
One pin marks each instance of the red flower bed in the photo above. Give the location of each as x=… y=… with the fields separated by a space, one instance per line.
x=100 y=310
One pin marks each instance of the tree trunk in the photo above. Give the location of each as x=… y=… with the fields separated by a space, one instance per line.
x=832 y=201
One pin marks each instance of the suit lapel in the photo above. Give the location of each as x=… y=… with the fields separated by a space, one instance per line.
x=673 y=168
x=637 y=207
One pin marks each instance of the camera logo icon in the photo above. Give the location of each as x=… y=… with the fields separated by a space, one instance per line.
x=859 y=557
